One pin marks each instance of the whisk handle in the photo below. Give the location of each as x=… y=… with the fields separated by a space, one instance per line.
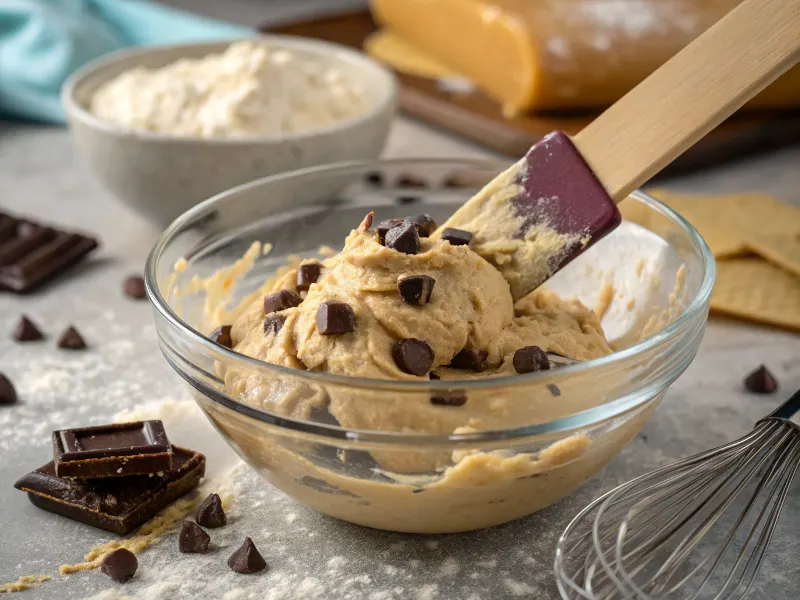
x=787 y=411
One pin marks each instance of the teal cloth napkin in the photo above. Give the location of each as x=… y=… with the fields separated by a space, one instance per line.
x=43 y=41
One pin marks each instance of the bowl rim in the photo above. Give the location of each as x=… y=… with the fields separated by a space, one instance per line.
x=589 y=416
x=74 y=109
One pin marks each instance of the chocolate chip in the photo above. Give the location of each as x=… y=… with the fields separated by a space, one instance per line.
x=8 y=395
x=457 y=237
x=192 y=538
x=471 y=359
x=281 y=300
x=554 y=389
x=407 y=199
x=433 y=376
x=334 y=318
x=210 y=512
x=374 y=178
x=222 y=336
x=761 y=381
x=449 y=398
x=273 y=323
x=26 y=331
x=413 y=356
x=71 y=340
x=530 y=359
x=119 y=564
x=385 y=226
x=306 y=275
x=403 y=238
x=416 y=289
x=133 y=287
x=409 y=180
x=247 y=559
x=424 y=223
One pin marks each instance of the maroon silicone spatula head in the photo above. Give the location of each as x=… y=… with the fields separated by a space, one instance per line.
x=560 y=190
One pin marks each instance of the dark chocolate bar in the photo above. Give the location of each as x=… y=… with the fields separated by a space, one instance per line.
x=32 y=254
x=117 y=504
x=139 y=448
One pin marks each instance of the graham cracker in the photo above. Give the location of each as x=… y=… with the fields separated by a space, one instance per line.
x=754 y=289
x=783 y=250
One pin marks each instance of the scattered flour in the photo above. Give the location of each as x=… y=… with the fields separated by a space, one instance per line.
x=518 y=588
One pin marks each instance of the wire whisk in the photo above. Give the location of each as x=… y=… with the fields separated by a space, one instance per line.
x=698 y=528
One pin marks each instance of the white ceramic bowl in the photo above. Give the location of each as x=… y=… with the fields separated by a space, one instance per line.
x=162 y=176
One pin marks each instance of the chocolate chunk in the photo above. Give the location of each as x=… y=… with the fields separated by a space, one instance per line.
x=470 y=359
x=761 y=381
x=416 y=289
x=424 y=223
x=457 y=237
x=374 y=178
x=273 y=323
x=32 y=254
x=307 y=274
x=403 y=238
x=117 y=504
x=413 y=356
x=530 y=359
x=449 y=398
x=247 y=559
x=385 y=226
x=222 y=336
x=8 y=395
x=334 y=318
x=26 y=331
x=192 y=538
x=71 y=340
x=210 y=512
x=409 y=180
x=120 y=564
x=281 y=300
x=433 y=376
x=407 y=199
x=554 y=389
x=139 y=448
x=133 y=287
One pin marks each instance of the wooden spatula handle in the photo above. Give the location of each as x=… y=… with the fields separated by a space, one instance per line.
x=692 y=93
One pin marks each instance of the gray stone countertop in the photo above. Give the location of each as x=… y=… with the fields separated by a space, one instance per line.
x=313 y=556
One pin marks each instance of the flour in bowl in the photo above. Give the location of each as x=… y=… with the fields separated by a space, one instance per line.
x=249 y=90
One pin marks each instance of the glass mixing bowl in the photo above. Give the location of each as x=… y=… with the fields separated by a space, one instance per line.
x=550 y=431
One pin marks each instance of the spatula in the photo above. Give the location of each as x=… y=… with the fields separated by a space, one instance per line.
x=560 y=199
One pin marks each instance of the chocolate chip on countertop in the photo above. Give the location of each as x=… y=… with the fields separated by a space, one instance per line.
x=530 y=359
x=247 y=559
x=403 y=238
x=133 y=287
x=26 y=331
x=273 y=323
x=424 y=223
x=71 y=340
x=334 y=318
x=471 y=359
x=407 y=199
x=761 y=381
x=554 y=389
x=210 y=512
x=374 y=178
x=8 y=395
x=278 y=301
x=306 y=275
x=409 y=180
x=192 y=538
x=222 y=336
x=416 y=289
x=119 y=564
x=413 y=356
x=449 y=398
x=385 y=226
x=457 y=237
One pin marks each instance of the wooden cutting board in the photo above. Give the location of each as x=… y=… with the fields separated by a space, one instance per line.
x=475 y=116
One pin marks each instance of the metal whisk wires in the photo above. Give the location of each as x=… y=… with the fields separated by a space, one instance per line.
x=698 y=528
